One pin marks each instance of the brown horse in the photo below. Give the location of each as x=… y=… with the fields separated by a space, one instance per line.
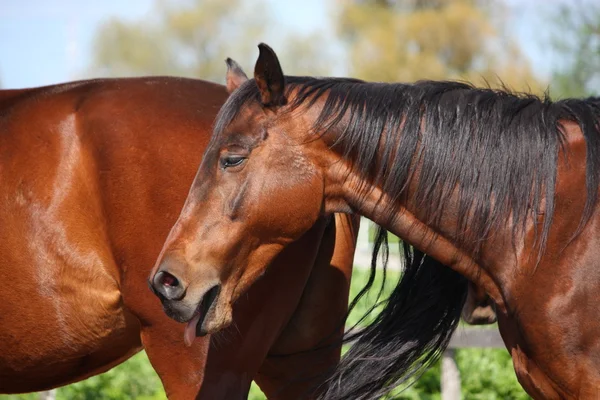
x=93 y=175
x=500 y=188
x=150 y=154
x=479 y=309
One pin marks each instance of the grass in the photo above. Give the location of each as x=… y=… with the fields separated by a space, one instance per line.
x=359 y=278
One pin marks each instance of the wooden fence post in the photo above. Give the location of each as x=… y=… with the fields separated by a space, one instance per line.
x=450 y=379
x=362 y=243
x=47 y=395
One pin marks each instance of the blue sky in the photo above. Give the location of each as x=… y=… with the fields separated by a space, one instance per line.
x=44 y=42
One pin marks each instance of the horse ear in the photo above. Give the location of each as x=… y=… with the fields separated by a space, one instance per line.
x=269 y=77
x=235 y=75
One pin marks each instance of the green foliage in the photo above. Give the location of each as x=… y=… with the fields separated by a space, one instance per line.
x=186 y=39
x=576 y=40
x=359 y=278
x=24 y=396
x=134 y=379
x=256 y=393
x=393 y=240
x=488 y=374
x=408 y=40
x=194 y=38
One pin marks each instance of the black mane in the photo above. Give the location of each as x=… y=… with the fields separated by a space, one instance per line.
x=497 y=150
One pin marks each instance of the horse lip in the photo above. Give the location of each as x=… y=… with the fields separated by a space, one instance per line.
x=207 y=305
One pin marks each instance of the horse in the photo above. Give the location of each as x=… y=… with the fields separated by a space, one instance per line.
x=487 y=186
x=93 y=175
x=479 y=309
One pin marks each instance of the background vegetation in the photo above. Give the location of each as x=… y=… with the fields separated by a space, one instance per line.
x=382 y=40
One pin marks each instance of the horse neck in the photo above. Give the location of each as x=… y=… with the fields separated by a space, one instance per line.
x=351 y=192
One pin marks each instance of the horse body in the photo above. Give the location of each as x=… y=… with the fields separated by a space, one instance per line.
x=93 y=175
x=53 y=220
x=501 y=189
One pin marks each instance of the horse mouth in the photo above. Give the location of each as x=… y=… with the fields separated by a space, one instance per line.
x=206 y=307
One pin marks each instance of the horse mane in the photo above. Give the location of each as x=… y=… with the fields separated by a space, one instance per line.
x=488 y=144
x=496 y=151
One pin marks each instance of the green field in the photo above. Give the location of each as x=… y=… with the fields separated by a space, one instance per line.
x=485 y=373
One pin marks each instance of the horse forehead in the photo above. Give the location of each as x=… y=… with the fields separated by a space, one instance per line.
x=254 y=121
x=249 y=117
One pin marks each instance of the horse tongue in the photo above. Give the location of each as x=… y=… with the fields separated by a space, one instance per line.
x=190 y=330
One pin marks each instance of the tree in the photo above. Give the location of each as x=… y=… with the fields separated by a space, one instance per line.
x=576 y=40
x=190 y=39
x=194 y=38
x=408 y=40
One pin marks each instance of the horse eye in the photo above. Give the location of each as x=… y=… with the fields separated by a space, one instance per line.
x=232 y=161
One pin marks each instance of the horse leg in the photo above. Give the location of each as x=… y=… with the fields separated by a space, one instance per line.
x=180 y=368
x=294 y=368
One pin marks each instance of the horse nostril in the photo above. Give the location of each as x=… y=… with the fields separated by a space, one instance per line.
x=168 y=287
x=167 y=279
